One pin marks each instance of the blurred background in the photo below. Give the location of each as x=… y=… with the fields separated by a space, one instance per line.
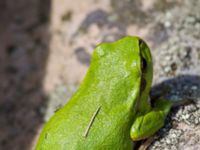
x=46 y=47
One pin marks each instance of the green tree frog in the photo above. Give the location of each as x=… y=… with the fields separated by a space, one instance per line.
x=111 y=108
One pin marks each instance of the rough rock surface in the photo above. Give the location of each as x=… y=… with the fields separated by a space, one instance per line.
x=45 y=51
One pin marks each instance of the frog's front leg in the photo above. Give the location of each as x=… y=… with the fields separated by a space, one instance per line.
x=146 y=125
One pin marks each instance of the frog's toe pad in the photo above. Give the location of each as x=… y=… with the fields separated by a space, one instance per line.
x=145 y=126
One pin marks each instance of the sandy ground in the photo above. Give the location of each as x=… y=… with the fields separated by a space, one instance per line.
x=45 y=50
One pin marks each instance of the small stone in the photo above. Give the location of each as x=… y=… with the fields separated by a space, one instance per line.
x=194 y=87
x=167 y=58
x=167 y=24
x=187 y=116
x=167 y=69
x=168 y=141
x=173 y=135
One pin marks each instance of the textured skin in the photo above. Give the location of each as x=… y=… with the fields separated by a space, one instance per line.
x=113 y=84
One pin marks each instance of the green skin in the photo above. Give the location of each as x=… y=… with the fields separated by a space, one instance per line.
x=111 y=108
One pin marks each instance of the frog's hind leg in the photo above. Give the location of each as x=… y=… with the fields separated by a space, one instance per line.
x=146 y=125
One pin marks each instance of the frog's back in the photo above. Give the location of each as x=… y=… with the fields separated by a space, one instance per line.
x=100 y=113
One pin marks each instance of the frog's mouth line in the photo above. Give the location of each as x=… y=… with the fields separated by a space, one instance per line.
x=143 y=82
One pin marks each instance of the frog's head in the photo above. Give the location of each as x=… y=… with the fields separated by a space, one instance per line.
x=129 y=65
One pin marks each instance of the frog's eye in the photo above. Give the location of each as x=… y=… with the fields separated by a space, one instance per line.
x=143 y=64
x=143 y=61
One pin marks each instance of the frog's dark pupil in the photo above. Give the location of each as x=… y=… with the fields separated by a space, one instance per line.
x=140 y=42
x=143 y=64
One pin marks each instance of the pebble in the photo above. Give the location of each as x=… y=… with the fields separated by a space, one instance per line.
x=167 y=24
x=194 y=87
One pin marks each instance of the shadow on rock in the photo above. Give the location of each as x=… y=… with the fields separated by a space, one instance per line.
x=179 y=88
x=183 y=88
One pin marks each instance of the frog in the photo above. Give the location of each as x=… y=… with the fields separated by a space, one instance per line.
x=111 y=109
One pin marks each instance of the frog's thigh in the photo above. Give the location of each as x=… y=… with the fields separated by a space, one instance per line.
x=146 y=125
